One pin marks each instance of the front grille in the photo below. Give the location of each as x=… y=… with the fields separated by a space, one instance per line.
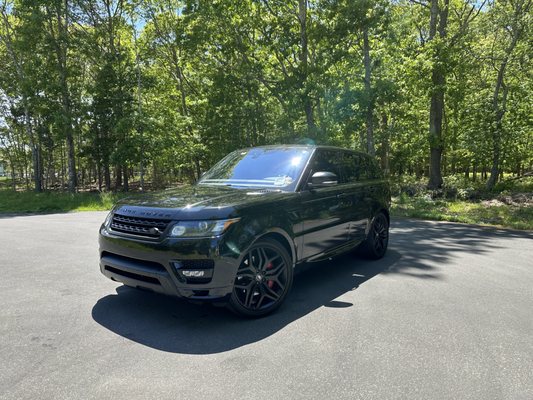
x=148 y=227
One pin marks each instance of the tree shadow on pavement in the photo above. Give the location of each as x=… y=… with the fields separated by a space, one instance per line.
x=426 y=247
x=418 y=249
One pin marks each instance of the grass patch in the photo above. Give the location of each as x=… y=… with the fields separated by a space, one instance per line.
x=482 y=212
x=22 y=202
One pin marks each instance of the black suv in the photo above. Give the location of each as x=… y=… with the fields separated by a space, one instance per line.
x=236 y=236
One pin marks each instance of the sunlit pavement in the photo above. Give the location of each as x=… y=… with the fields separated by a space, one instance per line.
x=447 y=314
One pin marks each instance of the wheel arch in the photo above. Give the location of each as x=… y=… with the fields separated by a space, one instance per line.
x=386 y=212
x=283 y=238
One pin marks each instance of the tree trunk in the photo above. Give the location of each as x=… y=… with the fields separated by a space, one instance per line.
x=496 y=149
x=63 y=168
x=107 y=176
x=99 y=175
x=83 y=174
x=498 y=109
x=118 y=177
x=385 y=144
x=13 y=175
x=140 y=128
x=24 y=174
x=197 y=166
x=183 y=94
x=60 y=43
x=155 y=175
x=369 y=95
x=37 y=170
x=35 y=156
x=51 y=174
x=435 y=132
x=126 y=172
x=304 y=56
x=438 y=20
x=72 y=178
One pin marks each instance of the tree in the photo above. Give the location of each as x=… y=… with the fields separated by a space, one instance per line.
x=512 y=19
x=21 y=83
x=56 y=22
x=102 y=90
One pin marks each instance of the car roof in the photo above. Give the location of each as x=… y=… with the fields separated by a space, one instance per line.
x=305 y=146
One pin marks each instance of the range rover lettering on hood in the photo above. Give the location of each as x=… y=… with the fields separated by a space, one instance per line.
x=142 y=213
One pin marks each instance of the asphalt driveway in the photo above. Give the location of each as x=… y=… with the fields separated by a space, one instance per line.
x=447 y=314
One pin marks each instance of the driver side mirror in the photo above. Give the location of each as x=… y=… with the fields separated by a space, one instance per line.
x=322 y=179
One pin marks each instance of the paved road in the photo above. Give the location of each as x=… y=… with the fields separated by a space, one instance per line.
x=448 y=314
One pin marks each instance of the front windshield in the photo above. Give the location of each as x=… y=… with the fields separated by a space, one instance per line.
x=277 y=168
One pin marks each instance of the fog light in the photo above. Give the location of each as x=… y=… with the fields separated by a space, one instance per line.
x=193 y=274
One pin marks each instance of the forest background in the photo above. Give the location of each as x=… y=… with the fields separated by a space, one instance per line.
x=115 y=95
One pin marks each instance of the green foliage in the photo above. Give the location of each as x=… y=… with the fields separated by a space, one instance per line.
x=484 y=213
x=27 y=202
x=459 y=187
x=167 y=88
x=509 y=204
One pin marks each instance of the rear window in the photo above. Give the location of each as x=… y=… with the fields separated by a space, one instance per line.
x=359 y=167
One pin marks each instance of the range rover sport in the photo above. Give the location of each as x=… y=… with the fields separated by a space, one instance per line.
x=237 y=235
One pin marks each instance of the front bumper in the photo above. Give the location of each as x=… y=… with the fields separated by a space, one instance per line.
x=156 y=264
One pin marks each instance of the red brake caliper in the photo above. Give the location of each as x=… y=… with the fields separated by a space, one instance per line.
x=270 y=284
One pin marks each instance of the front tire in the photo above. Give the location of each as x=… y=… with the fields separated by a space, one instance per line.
x=377 y=241
x=263 y=280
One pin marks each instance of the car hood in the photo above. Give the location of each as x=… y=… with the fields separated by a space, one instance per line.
x=196 y=202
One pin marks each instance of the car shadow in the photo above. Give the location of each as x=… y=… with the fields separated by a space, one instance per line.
x=418 y=249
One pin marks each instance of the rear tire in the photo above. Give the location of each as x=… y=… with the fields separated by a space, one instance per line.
x=377 y=241
x=263 y=280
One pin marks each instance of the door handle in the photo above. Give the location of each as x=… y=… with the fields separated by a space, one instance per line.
x=345 y=200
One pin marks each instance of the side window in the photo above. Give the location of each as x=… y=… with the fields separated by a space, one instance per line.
x=376 y=170
x=356 y=167
x=327 y=160
x=350 y=166
x=359 y=167
x=365 y=168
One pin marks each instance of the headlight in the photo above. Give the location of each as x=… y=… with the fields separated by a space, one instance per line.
x=201 y=228
x=108 y=219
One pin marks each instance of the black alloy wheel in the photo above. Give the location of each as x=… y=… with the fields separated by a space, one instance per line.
x=263 y=279
x=375 y=245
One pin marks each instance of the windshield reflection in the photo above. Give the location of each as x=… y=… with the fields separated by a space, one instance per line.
x=263 y=167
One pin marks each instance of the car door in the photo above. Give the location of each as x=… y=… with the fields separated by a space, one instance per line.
x=358 y=188
x=325 y=210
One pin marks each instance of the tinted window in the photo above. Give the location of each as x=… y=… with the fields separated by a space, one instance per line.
x=259 y=167
x=350 y=162
x=375 y=170
x=359 y=167
x=327 y=161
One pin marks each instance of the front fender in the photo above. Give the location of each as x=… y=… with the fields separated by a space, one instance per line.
x=249 y=231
